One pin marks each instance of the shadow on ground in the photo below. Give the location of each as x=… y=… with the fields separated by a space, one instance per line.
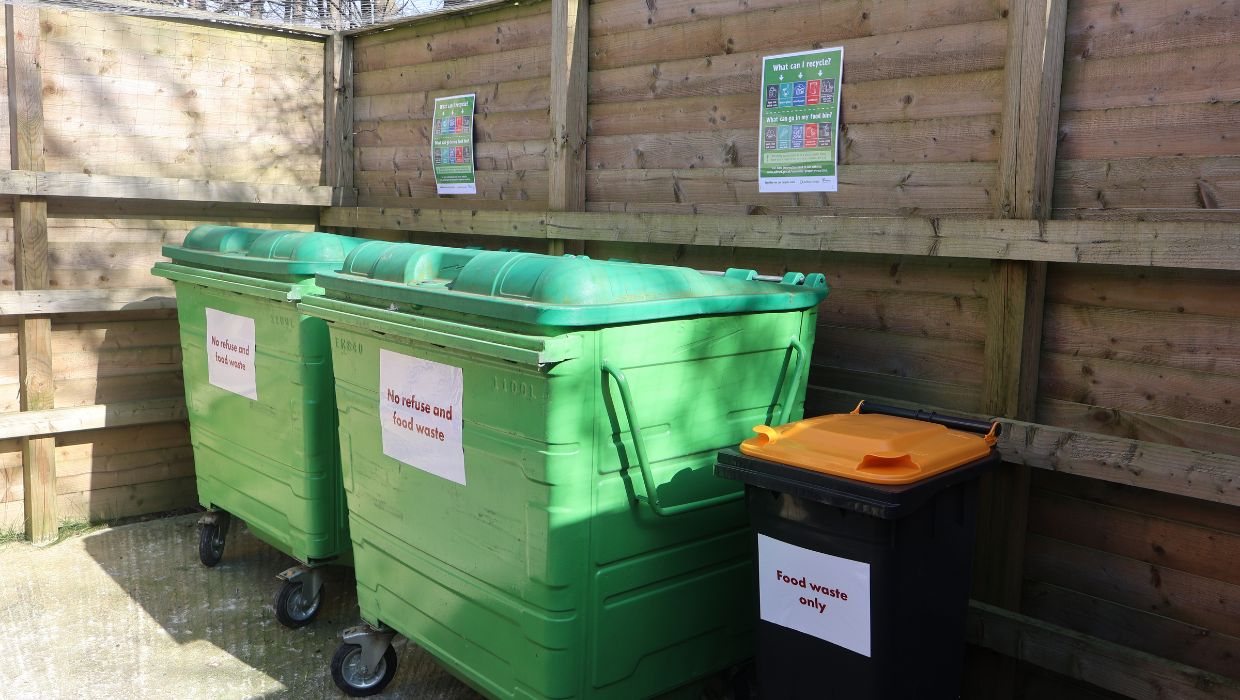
x=130 y=612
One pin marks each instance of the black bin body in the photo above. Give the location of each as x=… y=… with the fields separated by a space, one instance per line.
x=918 y=541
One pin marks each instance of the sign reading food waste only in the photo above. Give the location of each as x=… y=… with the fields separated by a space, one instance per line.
x=230 y=353
x=420 y=404
x=821 y=595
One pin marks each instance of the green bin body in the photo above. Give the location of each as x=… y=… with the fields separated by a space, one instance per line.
x=541 y=570
x=268 y=456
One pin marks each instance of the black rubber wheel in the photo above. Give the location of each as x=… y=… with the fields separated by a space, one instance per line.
x=210 y=544
x=349 y=676
x=292 y=608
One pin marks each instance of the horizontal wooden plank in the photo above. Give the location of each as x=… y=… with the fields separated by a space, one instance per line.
x=50 y=184
x=906 y=99
x=518 y=64
x=1188 y=292
x=1101 y=29
x=930 y=315
x=1202 y=343
x=88 y=390
x=1204 y=514
x=496 y=126
x=618 y=16
x=1200 y=130
x=950 y=361
x=1159 y=541
x=508 y=96
x=64 y=420
x=1133 y=673
x=1197 y=600
x=521 y=185
x=1187 y=76
x=1137 y=425
x=1229 y=216
x=474 y=222
x=63 y=301
x=856 y=274
x=1156 y=389
x=1188 y=183
x=1194 y=645
x=501 y=155
x=713 y=28
x=1154 y=244
x=879 y=189
x=963 y=48
x=1165 y=244
x=875 y=385
x=1208 y=476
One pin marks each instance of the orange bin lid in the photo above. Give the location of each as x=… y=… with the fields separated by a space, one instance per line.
x=870 y=447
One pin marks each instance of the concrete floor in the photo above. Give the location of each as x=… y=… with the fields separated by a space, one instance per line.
x=129 y=612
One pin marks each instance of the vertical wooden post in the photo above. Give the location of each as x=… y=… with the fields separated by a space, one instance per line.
x=1034 y=72
x=34 y=333
x=338 y=119
x=570 y=28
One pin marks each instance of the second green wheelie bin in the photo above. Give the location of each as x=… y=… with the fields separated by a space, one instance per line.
x=527 y=445
x=258 y=389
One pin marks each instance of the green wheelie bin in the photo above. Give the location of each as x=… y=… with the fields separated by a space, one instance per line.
x=527 y=444
x=258 y=388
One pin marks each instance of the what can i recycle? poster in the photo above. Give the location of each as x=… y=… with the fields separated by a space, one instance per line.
x=800 y=121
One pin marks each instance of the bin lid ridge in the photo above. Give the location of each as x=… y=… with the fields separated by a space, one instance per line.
x=262 y=251
x=867 y=447
x=556 y=290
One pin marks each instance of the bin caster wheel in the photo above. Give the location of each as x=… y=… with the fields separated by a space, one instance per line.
x=293 y=606
x=210 y=543
x=355 y=679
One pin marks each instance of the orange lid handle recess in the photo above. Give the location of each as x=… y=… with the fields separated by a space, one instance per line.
x=871 y=447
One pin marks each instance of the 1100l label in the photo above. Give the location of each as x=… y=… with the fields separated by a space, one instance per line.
x=514 y=387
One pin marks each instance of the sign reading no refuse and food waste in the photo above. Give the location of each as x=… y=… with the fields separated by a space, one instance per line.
x=452 y=145
x=420 y=404
x=230 y=353
x=818 y=594
x=800 y=121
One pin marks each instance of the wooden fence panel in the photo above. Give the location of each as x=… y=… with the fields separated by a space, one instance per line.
x=673 y=107
x=502 y=56
x=1150 y=126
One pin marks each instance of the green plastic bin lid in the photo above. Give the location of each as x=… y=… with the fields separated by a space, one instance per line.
x=555 y=291
x=262 y=252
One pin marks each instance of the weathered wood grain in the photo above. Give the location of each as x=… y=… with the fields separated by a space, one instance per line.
x=64 y=420
x=1194 y=645
x=1208 y=476
x=1132 y=673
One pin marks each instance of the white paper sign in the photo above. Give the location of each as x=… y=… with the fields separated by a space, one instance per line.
x=420 y=411
x=230 y=353
x=821 y=595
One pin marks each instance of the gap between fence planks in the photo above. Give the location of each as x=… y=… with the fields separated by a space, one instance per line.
x=31 y=183
x=1189 y=244
x=67 y=420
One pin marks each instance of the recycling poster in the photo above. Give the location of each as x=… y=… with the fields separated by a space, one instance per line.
x=452 y=145
x=800 y=121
